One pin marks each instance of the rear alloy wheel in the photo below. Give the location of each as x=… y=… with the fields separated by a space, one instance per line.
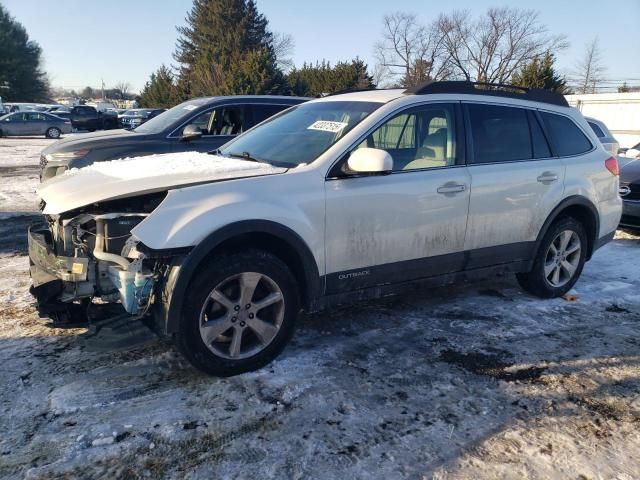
x=239 y=314
x=559 y=260
x=562 y=258
x=53 y=132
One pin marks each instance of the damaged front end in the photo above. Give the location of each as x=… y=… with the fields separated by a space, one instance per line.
x=89 y=256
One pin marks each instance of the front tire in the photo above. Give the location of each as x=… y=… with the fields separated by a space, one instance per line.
x=559 y=260
x=239 y=314
x=53 y=132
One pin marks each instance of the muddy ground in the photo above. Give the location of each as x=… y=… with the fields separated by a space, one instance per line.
x=472 y=381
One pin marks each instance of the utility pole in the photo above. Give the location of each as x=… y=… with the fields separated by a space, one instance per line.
x=103 y=99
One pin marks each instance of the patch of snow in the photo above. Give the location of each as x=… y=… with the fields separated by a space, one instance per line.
x=120 y=178
x=19 y=173
x=101 y=441
x=182 y=163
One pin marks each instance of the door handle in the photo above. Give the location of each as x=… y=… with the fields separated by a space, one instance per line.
x=548 y=177
x=452 y=188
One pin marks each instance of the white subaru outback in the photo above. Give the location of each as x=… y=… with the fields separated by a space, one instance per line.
x=339 y=199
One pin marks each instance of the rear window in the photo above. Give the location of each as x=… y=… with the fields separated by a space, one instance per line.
x=567 y=138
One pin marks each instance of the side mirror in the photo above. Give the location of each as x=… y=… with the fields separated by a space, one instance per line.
x=370 y=160
x=190 y=132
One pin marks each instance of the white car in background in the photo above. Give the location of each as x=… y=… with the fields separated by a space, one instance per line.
x=607 y=139
x=633 y=152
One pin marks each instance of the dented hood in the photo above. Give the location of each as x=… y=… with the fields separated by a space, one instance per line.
x=130 y=177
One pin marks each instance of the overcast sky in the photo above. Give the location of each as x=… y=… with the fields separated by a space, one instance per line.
x=125 y=40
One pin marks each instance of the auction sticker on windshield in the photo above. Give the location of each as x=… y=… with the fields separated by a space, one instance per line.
x=326 y=126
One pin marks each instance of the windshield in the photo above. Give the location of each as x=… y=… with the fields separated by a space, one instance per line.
x=301 y=134
x=174 y=115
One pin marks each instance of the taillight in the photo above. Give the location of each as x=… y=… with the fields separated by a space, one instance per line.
x=612 y=165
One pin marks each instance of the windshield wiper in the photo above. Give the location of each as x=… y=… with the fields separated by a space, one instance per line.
x=245 y=156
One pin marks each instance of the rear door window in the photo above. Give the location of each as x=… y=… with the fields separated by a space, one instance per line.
x=36 y=117
x=499 y=134
x=262 y=112
x=567 y=138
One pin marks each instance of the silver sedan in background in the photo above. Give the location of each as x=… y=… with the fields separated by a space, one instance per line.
x=33 y=123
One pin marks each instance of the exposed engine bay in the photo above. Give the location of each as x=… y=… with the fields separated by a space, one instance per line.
x=90 y=254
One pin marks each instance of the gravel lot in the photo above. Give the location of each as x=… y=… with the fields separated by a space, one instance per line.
x=466 y=382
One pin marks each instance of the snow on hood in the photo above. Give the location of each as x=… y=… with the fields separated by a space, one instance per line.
x=134 y=176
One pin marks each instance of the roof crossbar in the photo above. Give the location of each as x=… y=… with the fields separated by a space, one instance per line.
x=491 y=89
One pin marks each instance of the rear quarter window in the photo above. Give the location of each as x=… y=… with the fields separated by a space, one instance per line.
x=567 y=138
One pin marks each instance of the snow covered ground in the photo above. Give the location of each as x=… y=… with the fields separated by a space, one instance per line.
x=465 y=382
x=19 y=171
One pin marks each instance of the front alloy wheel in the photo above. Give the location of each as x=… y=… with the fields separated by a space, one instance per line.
x=239 y=313
x=242 y=315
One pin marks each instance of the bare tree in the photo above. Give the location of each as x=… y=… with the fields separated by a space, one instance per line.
x=283 y=46
x=589 y=72
x=123 y=88
x=409 y=52
x=494 y=46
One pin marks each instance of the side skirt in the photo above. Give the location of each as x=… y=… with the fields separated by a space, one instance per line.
x=380 y=291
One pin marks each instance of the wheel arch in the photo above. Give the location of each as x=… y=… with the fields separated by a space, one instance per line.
x=583 y=210
x=272 y=237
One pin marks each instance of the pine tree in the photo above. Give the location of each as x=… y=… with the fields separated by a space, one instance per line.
x=160 y=90
x=541 y=73
x=21 y=78
x=226 y=49
x=321 y=78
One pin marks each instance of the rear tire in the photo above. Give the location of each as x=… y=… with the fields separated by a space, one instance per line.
x=53 y=132
x=559 y=260
x=239 y=314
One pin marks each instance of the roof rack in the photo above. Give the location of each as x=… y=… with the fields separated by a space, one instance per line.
x=492 y=89
x=354 y=90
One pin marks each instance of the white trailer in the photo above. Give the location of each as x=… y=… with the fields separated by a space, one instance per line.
x=619 y=111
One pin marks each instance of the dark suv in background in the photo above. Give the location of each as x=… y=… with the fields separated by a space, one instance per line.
x=85 y=117
x=201 y=124
x=137 y=116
